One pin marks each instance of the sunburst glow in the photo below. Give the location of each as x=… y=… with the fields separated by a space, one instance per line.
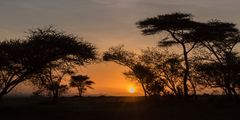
x=132 y=89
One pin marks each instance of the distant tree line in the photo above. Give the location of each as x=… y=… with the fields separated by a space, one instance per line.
x=206 y=57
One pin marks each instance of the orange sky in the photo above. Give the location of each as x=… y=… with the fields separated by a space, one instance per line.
x=105 y=23
x=108 y=78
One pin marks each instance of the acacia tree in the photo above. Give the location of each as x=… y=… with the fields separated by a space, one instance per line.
x=38 y=49
x=72 y=52
x=220 y=39
x=81 y=82
x=176 y=25
x=158 y=72
x=125 y=58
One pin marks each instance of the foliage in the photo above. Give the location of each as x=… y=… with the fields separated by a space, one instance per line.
x=220 y=39
x=177 y=26
x=22 y=59
x=12 y=68
x=71 y=51
x=123 y=57
x=49 y=81
x=158 y=72
x=81 y=82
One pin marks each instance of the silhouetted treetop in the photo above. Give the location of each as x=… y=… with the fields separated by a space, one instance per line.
x=81 y=82
x=49 y=45
x=11 y=52
x=119 y=55
x=167 y=22
x=215 y=31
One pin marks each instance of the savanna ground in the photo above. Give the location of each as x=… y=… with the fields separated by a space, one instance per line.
x=120 y=108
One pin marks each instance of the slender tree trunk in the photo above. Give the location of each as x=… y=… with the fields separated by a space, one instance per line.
x=186 y=71
x=2 y=93
x=193 y=87
x=234 y=91
x=227 y=84
x=79 y=92
x=55 y=95
x=140 y=80
x=144 y=90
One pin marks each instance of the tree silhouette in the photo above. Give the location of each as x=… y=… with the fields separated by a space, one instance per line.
x=81 y=82
x=125 y=58
x=224 y=76
x=12 y=70
x=168 y=69
x=158 y=72
x=149 y=82
x=220 y=39
x=71 y=51
x=50 y=79
x=177 y=25
x=20 y=60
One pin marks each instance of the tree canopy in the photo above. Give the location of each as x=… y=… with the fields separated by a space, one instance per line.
x=20 y=59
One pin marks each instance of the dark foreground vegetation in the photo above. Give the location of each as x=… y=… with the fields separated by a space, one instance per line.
x=120 y=108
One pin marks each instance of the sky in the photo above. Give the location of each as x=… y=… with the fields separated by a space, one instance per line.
x=105 y=23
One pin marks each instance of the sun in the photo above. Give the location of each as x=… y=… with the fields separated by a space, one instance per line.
x=132 y=89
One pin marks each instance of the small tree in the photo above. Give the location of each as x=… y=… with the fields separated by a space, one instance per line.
x=81 y=82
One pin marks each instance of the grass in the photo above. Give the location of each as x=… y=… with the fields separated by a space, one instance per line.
x=120 y=108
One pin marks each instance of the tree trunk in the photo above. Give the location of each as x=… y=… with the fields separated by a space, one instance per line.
x=4 y=91
x=55 y=95
x=144 y=90
x=79 y=92
x=193 y=87
x=2 y=94
x=186 y=71
x=234 y=91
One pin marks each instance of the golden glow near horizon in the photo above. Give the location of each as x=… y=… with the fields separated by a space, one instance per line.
x=132 y=89
x=110 y=81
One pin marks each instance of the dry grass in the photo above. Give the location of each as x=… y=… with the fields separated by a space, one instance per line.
x=120 y=108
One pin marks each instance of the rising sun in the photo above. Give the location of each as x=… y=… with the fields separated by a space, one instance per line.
x=132 y=89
